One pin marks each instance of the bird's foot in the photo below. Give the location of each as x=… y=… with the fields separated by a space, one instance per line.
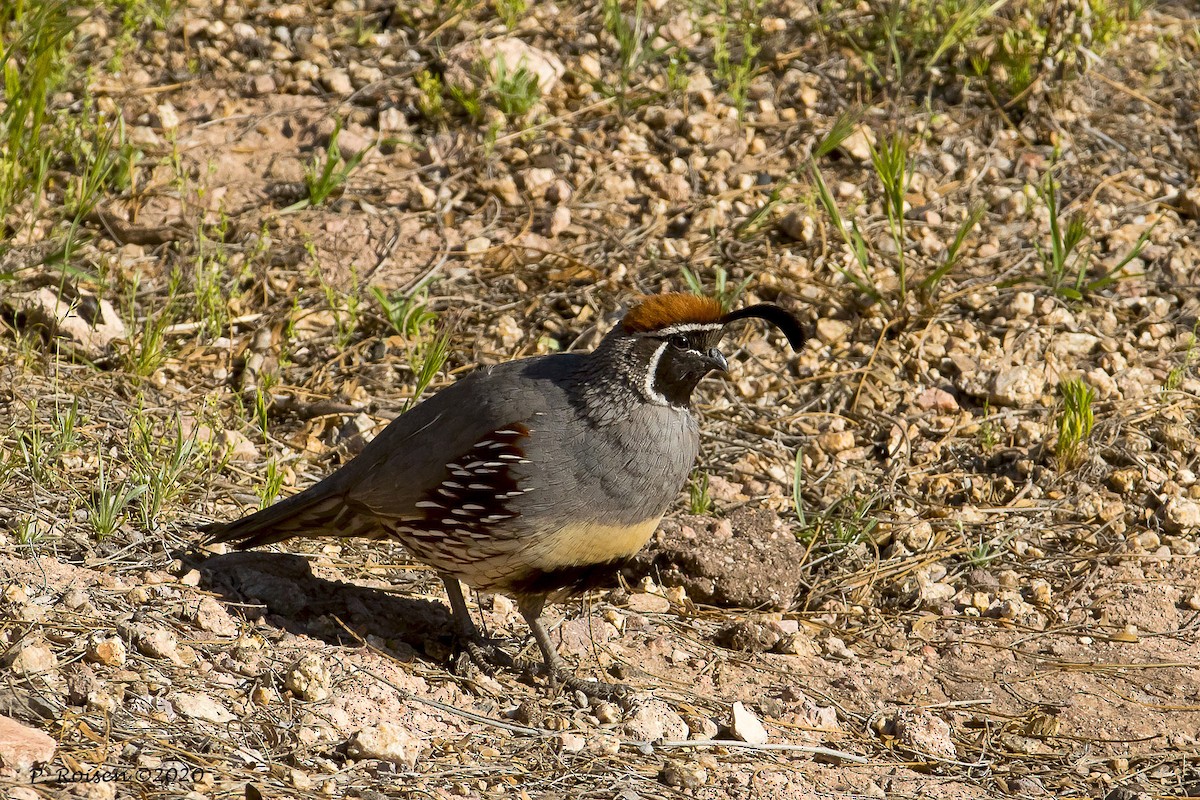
x=486 y=655
x=618 y=693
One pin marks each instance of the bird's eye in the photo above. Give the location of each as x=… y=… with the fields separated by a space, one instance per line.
x=679 y=341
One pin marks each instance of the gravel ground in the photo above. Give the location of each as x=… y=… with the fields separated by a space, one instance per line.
x=892 y=577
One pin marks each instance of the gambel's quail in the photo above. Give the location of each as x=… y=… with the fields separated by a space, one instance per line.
x=536 y=478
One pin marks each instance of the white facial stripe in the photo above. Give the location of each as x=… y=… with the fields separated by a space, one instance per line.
x=648 y=382
x=685 y=327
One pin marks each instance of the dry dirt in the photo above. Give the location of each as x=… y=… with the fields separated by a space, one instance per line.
x=948 y=609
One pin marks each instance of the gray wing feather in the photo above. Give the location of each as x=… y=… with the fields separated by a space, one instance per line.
x=400 y=465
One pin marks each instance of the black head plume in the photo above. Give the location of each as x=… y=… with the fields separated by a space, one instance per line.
x=781 y=319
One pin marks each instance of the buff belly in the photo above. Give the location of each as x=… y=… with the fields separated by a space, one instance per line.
x=589 y=543
x=560 y=562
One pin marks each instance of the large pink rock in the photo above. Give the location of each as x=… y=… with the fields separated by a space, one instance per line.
x=21 y=746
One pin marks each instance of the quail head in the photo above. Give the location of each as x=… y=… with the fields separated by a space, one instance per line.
x=534 y=478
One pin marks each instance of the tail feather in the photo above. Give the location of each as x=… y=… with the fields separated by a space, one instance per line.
x=305 y=514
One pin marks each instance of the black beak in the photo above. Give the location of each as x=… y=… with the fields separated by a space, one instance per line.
x=715 y=360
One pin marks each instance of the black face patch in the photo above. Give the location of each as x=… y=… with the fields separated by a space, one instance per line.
x=685 y=358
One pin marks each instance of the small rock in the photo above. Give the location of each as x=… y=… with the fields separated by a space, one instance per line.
x=571 y=742
x=201 y=706
x=75 y=598
x=701 y=727
x=509 y=331
x=168 y=117
x=672 y=188
x=749 y=636
x=237 y=446
x=477 y=245
x=1189 y=202
x=1040 y=592
x=684 y=775
x=808 y=95
x=1017 y=386
x=337 y=81
x=143 y=137
x=423 y=198
x=798 y=227
x=810 y=715
x=1070 y=344
x=832 y=331
x=933 y=593
x=392 y=120
x=1022 y=305
x=646 y=603
x=309 y=678
x=305 y=70
x=1182 y=515
x=386 y=741
x=81 y=684
x=559 y=192
x=590 y=65
x=858 y=144
x=835 y=441
x=263 y=696
x=746 y=726
x=607 y=713
x=925 y=734
x=504 y=187
x=1004 y=609
x=1010 y=204
x=982 y=581
x=107 y=650
x=836 y=649
x=90 y=322
x=529 y=713
x=262 y=85
x=655 y=721
x=507 y=54
x=1128 y=634
x=934 y=399
x=560 y=220
x=1026 y=786
x=352 y=144
x=537 y=180
x=21 y=746
x=795 y=644
x=212 y=616
x=299 y=779
x=32 y=657
x=156 y=642
x=1124 y=481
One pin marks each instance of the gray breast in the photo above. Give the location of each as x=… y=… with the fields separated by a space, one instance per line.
x=620 y=473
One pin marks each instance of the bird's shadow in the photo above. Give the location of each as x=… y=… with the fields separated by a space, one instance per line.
x=283 y=589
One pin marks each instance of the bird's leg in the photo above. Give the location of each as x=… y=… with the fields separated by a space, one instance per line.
x=485 y=655
x=556 y=670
